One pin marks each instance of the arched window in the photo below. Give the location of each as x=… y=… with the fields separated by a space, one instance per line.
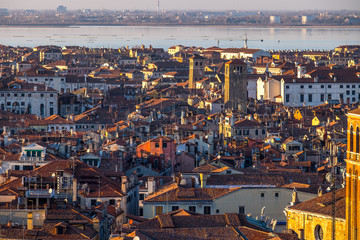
x=318 y=232
x=29 y=109
x=42 y=110
x=351 y=139
x=357 y=140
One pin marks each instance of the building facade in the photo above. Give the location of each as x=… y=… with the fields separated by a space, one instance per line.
x=21 y=97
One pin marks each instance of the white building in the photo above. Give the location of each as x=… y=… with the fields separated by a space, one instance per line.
x=312 y=88
x=41 y=75
x=275 y=19
x=306 y=19
x=31 y=156
x=21 y=97
x=268 y=89
x=315 y=90
x=243 y=53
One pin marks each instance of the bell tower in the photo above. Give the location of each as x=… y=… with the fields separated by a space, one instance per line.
x=196 y=70
x=353 y=176
x=235 y=89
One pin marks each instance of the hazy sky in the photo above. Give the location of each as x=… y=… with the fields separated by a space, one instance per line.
x=185 y=4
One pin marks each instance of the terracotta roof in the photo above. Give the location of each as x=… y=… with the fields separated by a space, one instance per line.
x=174 y=193
x=323 y=205
x=206 y=168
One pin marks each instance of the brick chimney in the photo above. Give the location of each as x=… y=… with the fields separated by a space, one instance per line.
x=30 y=223
x=124 y=184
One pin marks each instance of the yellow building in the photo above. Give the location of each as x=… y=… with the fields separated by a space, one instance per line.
x=352 y=175
x=312 y=219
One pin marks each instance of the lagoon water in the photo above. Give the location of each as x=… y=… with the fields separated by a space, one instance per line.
x=166 y=36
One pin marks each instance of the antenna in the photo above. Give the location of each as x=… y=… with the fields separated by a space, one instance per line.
x=245 y=41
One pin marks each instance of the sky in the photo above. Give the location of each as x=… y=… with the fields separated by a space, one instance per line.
x=185 y=4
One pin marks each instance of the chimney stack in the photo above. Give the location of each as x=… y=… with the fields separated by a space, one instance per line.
x=30 y=223
x=151 y=185
x=124 y=184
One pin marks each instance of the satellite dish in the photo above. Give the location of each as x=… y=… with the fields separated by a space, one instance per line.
x=329 y=177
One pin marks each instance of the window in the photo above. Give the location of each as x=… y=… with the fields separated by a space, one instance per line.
x=287 y=87
x=157 y=145
x=322 y=97
x=246 y=131
x=347 y=92
x=51 y=111
x=141 y=212
x=351 y=136
x=241 y=210
x=276 y=194
x=301 y=97
x=353 y=86
x=29 y=95
x=174 y=208
x=112 y=202
x=329 y=96
x=256 y=132
x=322 y=86
x=353 y=99
x=353 y=92
x=158 y=210
x=329 y=86
x=318 y=232
x=42 y=95
x=164 y=145
x=310 y=97
x=287 y=98
x=207 y=210
x=310 y=86
x=93 y=202
x=141 y=196
x=192 y=208
x=262 y=195
x=357 y=140
x=217 y=211
x=341 y=96
x=51 y=95
x=301 y=86
x=341 y=86
x=347 y=86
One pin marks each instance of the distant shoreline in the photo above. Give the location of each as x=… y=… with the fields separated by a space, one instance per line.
x=173 y=25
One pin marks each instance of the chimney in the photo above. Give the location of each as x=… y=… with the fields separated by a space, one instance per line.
x=75 y=189
x=124 y=184
x=30 y=224
x=203 y=178
x=6 y=135
x=151 y=185
x=96 y=224
x=295 y=198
